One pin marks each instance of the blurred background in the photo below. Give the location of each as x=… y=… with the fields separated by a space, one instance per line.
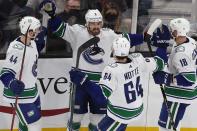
x=120 y=15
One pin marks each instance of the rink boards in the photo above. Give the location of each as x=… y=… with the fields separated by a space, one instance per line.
x=53 y=83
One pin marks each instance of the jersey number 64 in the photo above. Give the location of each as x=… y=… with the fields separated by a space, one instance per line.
x=131 y=91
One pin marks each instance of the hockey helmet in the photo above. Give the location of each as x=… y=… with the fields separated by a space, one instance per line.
x=181 y=25
x=29 y=22
x=93 y=15
x=121 y=46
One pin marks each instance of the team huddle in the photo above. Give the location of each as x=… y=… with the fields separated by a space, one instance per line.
x=104 y=71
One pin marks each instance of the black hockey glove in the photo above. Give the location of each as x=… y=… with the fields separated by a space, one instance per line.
x=17 y=87
x=161 y=38
x=161 y=77
x=77 y=77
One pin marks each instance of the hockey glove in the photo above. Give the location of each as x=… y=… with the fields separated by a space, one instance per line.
x=161 y=77
x=161 y=38
x=49 y=7
x=17 y=87
x=77 y=77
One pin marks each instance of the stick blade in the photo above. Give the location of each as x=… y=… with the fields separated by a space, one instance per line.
x=84 y=46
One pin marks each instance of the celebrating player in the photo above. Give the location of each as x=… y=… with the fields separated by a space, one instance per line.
x=92 y=62
x=180 y=77
x=122 y=85
x=19 y=74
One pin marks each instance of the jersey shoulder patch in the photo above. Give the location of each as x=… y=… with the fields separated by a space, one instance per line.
x=106 y=29
x=180 y=49
x=113 y=65
x=135 y=55
x=16 y=45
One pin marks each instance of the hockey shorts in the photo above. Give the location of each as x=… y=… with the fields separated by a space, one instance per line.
x=177 y=110
x=28 y=113
x=83 y=98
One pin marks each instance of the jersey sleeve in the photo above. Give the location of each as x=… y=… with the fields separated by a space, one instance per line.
x=184 y=66
x=63 y=30
x=40 y=39
x=183 y=63
x=70 y=34
x=161 y=58
x=146 y=64
x=14 y=58
x=12 y=64
x=107 y=81
x=151 y=64
x=134 y=39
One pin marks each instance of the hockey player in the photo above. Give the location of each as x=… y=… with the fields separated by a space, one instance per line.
x=93 y=60
x=28 y=109
x=122 y=85
x=180 y=76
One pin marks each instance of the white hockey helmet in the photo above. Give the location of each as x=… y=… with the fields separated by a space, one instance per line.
x=29 y=22
x=181 y=25
x=121 y=46
x=93 y=15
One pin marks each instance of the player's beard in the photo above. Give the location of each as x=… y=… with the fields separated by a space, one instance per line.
x=94 y=31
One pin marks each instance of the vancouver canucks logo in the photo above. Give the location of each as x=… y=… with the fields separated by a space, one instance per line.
x=96 y=51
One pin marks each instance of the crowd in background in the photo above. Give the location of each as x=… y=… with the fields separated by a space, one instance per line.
x=116 y=14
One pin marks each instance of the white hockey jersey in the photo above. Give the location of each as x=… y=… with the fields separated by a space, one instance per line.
x=93 y=60
x=182 y=60
x=122 y=84
x=29 y=74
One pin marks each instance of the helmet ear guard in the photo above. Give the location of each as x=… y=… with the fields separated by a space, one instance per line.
x=121 y=46
x=181 y=25
x=93 y=15
x=29 y=22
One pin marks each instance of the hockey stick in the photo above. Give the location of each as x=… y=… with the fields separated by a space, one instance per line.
x=20 y=76
x=152 y=28
x=72 y=96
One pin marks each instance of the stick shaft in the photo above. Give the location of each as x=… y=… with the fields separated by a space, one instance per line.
x=20 y=77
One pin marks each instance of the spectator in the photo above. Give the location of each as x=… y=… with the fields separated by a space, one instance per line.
x=71 y=12
x=89 y=4
x=120 y=3
x=111 y=14
x=34 y=4
x=11 y=12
